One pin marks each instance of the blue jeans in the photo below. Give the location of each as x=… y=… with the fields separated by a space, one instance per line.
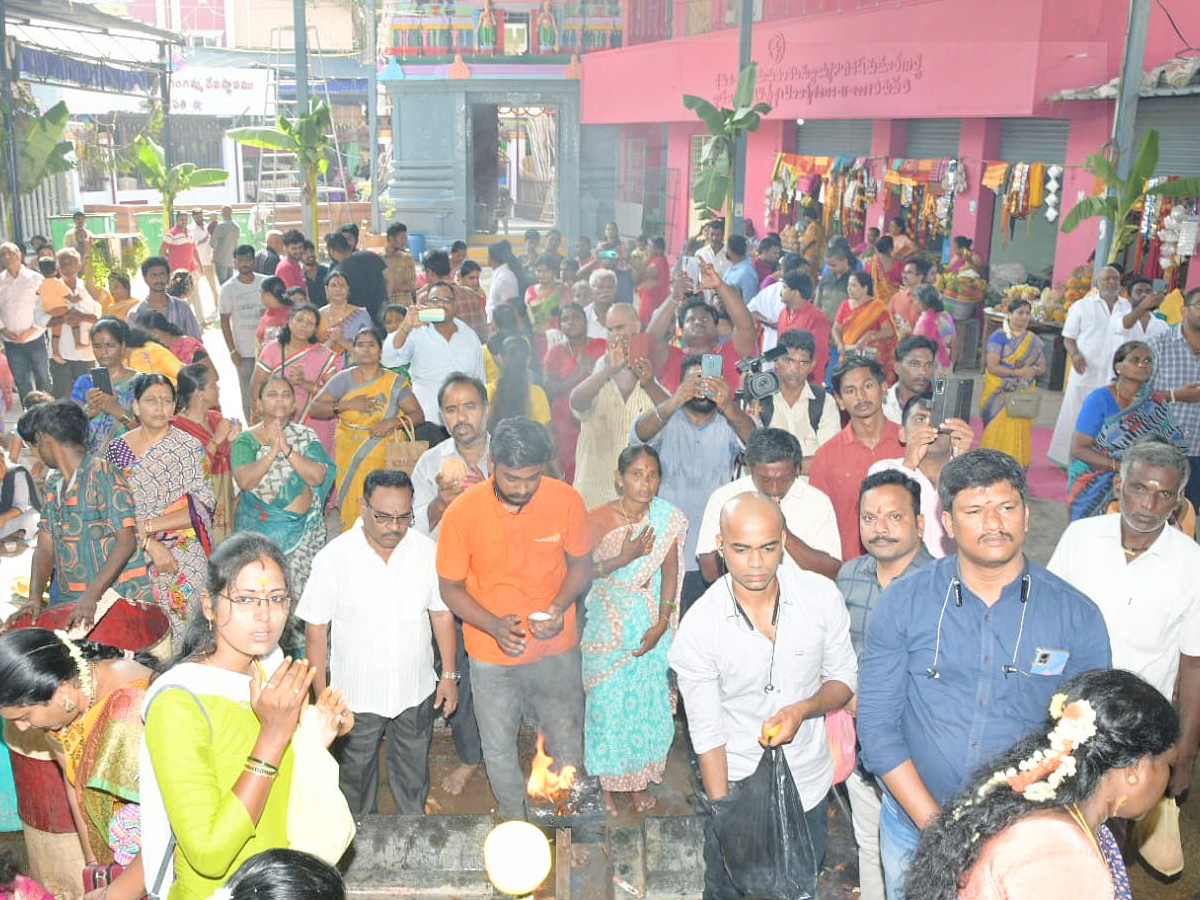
x=898 y=839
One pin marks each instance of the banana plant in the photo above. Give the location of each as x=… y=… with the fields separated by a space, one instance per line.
x=308 y=137
x=42 y=151
x=1122 y=196
x=712 y=186
x=149 y=160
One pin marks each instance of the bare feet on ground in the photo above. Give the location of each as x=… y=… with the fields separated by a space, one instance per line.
x=454 y=782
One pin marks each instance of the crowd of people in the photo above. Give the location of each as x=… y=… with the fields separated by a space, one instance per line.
x=561 y=500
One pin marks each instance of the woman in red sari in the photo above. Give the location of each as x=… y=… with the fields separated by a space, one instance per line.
x=568 y=363
x=655 y=285
x=199 y=414
x=863 y=324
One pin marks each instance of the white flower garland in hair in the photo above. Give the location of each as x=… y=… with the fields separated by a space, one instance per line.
x=81 y=666
x=1038 y=778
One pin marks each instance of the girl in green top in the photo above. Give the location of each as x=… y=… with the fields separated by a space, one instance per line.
x=216 y=765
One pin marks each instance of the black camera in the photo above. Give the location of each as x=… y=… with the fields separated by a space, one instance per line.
x=759 y=384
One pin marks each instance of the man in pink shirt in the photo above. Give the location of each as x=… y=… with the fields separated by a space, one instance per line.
x=290 y=269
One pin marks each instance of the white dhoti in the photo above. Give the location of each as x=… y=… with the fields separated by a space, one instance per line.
x=1075 y=392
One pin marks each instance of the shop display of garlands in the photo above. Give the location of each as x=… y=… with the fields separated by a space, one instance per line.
x=926 y=188
x=843 y=185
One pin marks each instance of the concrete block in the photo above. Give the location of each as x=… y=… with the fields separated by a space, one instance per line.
x=674 y=856
x=419 y=856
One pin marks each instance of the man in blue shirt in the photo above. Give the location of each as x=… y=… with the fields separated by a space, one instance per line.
x=963 y=656
x=740 y=273
x=698 y=433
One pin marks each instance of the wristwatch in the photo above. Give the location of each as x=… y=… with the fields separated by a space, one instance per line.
x=452 y=676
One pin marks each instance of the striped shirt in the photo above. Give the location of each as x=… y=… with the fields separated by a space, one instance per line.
x=1174 y=366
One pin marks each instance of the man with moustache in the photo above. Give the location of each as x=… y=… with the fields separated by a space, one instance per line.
x=1141 y=572
x=962 y=657
x=915 y=357
x=442 y=473
x=698 y=433
x=1091 y=335
x=765 y=653
x=513 y=555
x=377 y=585
x=890 y=525
x=841 y=463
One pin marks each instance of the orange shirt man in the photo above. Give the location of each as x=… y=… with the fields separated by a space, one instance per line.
x=513 y=555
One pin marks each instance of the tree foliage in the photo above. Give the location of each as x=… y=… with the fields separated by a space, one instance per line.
x=712 y=186
x=149 y=160
x=1122 y=197
x=308 y=136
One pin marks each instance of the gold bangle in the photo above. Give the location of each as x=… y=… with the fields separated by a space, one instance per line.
x=259 y=771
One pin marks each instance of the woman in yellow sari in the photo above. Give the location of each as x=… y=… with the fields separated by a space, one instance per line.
x=369 y=403
x=1015 y=359
x=864 y=325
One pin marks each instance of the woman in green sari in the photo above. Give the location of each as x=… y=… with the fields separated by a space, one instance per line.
x=632 y=611
x=284 y=475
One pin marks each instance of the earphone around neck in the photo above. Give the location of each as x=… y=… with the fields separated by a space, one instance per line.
x=955 y=585
x=770 y=686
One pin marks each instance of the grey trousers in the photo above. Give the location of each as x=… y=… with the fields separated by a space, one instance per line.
x=551 y=690
x=407 y=736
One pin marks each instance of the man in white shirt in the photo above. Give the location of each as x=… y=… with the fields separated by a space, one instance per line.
x=1089 y=336
x=800 y=408
x=1141 y=572
x=23 y=322
x=433 y=351
x=926 y=452
x=73 y=310
x=436 y=484
x=713 y=252
x=240 y=307
x=765 y=652
x=773 y=460
x=378 y=587
x=1140 y=323
x=915 y=355
x=768 y=304
x=204 y=252
x=602 y=286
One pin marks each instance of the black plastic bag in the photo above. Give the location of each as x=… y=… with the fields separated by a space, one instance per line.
x=763 y=835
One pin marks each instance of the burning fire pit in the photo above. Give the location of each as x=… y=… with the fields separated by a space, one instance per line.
x=561 y=799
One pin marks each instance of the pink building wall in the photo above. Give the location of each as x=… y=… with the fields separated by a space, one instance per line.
x=925 y=59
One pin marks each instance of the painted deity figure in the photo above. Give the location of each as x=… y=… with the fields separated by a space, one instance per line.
x=547 y=29
x=488 y=29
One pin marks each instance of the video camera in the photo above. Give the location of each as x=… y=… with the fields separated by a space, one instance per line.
x=759 y=384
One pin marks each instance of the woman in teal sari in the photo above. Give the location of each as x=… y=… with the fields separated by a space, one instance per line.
x=284 y=475
x=1110 y=420
x=632 y=611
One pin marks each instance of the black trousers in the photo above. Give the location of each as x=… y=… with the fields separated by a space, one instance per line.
x=407 y=737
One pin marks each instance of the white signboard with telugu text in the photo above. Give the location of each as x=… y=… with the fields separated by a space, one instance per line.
x=199 y=91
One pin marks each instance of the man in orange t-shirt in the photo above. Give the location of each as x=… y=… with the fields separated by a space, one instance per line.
x=513 y=555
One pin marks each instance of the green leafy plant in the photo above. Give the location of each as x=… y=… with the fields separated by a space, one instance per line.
x=42 y=151
x=1122 y=197
x=712 y=187
x=149 y=160
x=308 y=136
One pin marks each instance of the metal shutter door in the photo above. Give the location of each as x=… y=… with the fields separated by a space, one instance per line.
x=931 y=138
x=1034 y=140
x=835 y=137
x=1177 y=121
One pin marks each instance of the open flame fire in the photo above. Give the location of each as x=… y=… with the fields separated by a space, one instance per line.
x=545 y=784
